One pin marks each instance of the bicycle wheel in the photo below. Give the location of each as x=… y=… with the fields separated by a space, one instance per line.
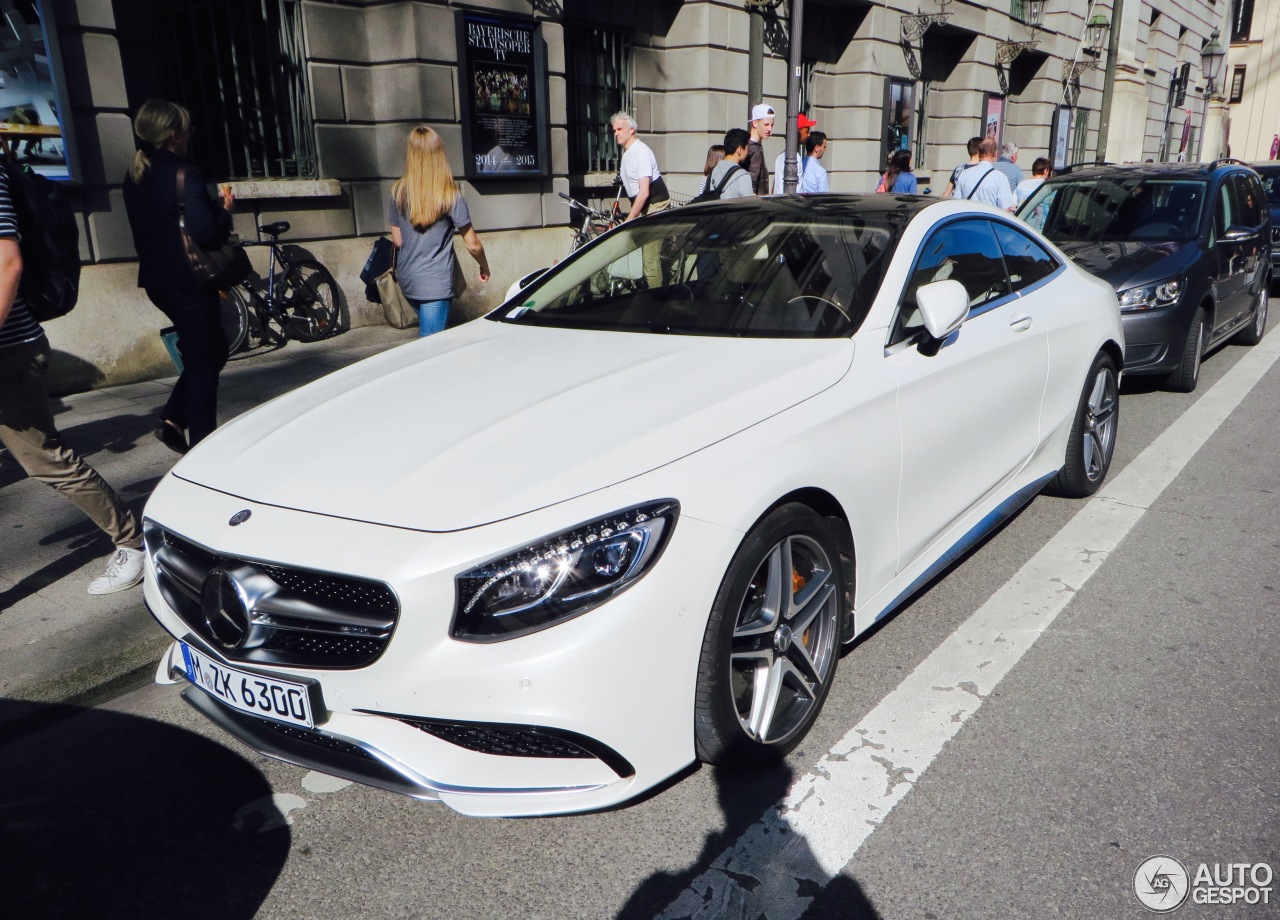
x=309 y=299
x=235 y=319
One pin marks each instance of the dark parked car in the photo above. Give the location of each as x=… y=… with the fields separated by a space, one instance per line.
x=1186 y=246
x=1270 y=173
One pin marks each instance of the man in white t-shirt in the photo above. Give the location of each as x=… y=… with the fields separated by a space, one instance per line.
x=984 y=182
x=639 y=171
x=804 y=124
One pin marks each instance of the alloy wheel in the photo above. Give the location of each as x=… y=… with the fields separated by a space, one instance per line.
x=784 y=640
x=1100 y=424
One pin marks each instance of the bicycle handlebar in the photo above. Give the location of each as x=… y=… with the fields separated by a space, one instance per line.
x=573 y=203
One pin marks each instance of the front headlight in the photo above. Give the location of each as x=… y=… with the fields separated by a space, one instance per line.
x=562 y=576
x=1151 y=296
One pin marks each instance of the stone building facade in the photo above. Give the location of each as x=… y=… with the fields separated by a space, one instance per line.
x=1249 y=90
x=356 y=75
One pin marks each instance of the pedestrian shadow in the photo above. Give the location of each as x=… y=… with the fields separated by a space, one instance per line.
x=750 y=886
x=107 y=815
x=84 y=543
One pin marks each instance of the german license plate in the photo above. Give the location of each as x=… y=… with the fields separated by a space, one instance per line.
x=256 y=694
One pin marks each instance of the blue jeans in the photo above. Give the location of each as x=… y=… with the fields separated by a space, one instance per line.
x=432 y=315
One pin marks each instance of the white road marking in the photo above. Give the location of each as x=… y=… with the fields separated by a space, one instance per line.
x=827 y=815
x=323 y=782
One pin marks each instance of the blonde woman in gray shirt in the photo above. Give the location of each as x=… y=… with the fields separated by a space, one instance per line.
x=424 y=212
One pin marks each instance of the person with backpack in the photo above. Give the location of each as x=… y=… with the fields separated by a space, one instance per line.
x=729 y=179
x=984 y=182
x=27 y=427
x=155 y=208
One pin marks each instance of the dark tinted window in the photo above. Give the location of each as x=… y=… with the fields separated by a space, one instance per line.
x=1249 y=199
x=1026 y=260
x=964 y=251
x=1117 y=208
x=1271 y=182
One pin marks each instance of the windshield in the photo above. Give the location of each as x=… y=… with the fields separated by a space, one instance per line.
x=1117 y=209
x=733 y=272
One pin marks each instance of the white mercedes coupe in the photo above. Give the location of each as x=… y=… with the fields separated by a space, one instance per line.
x=541 y=562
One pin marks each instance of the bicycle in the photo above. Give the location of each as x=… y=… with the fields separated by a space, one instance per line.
x=594 y=222
x=300 y=301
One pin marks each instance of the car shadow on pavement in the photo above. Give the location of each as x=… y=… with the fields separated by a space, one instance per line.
x=744 y=798
x=109 y=815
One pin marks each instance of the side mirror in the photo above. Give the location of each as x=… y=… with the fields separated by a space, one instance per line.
x=521 y=283
x=1237 y=232
x=943 y=307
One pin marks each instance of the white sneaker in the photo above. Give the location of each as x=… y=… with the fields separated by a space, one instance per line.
x=124 y=570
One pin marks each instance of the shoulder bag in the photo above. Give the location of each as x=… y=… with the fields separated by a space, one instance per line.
x=395 y=307
x=219 y=268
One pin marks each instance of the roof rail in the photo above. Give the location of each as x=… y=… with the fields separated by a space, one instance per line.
x=1083 y=164
x=1221 y=161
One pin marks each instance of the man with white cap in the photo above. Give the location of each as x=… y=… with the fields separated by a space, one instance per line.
x=803 y=125
x=761 y=127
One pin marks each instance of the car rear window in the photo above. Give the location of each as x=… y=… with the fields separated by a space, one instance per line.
x=1271 y=183
x=1114 y=208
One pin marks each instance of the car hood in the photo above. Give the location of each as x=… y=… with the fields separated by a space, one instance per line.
x=1127 y=263
x=492 y=420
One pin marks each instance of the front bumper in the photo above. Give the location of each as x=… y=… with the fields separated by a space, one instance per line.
x=1153 y=340
x=622 y=676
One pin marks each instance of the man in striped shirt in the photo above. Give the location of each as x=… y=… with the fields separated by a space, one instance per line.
x=26 y=421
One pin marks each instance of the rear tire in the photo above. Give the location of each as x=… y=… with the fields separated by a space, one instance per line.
x=772 y=641
x=235 y=319
x=1253 y=333
x=310 y=301
x=1092 y=443
x=1187 y=374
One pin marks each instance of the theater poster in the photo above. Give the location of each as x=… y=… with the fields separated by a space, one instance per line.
x=502 y=75
x=33 y=110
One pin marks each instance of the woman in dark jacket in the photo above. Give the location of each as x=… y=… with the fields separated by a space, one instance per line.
x=151 y=199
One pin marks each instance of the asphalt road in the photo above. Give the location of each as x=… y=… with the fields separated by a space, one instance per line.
x=1143 y=720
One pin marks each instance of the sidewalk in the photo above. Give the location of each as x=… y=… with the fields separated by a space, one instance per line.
x=57 y=642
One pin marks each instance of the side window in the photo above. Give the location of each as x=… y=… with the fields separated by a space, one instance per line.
x=1248 y=200
x=1026 y=260
x=964 y=251
x=1223 y=212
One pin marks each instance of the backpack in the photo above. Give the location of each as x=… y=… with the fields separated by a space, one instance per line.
x=50 y=243
x=713 y=194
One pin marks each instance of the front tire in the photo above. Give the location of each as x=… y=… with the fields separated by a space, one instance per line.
x=1252 y=334
x=1187 y=374
x=1092 y=443
x=772 y=641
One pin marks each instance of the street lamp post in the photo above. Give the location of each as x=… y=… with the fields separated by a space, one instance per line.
x=791 y=173
x=1211 y=57
x=1097 y=27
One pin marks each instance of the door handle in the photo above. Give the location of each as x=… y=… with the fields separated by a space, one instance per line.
x=1020 y=323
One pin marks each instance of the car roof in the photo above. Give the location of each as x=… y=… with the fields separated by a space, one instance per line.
x=892 y=208
x=1149 y=170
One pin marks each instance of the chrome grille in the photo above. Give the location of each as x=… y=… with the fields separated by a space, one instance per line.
x=291 y=616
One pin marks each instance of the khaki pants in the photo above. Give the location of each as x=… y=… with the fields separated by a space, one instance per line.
x=28 y=430
x=653 y=251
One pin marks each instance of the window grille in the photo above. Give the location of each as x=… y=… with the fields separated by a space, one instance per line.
x=1080 y=137
x=239 y=66
x=599 y=84
x=1237 y=84
x=1018 y=10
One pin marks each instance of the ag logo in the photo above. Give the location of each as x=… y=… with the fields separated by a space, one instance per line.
x=1161 y=884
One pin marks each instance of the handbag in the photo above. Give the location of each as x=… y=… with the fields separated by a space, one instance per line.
x=219 y=268
x=381 y=258
x=395 y=307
